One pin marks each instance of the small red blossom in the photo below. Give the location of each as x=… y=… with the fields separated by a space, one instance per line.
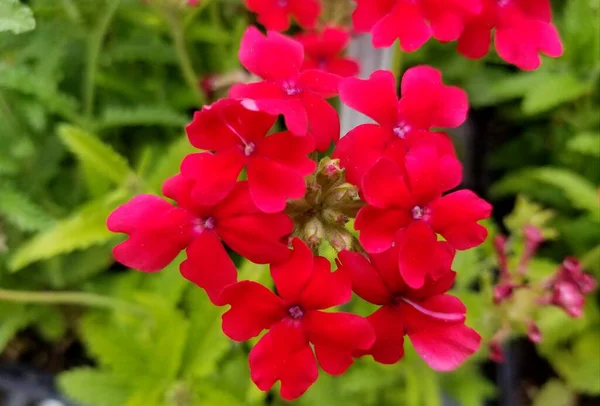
x=275 y=164
x=405 y=208
x=413 y=22
x=305 y=286
x=570 y=286
x=276 y=14
x=323 y=50
x=522 y=30
x=433 y=320
x=425 y=103
x=298 y=96
x=158 y=231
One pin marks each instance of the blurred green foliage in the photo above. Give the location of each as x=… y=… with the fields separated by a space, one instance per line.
x=92 y=105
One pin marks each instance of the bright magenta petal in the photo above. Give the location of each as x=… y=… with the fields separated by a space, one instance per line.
x=368 y=12
x=324 y=84
x=323 y=120
x=405 y=22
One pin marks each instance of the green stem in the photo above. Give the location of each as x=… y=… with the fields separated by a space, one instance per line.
x=397 y=60
x=183 y=57
x=74 y=298
x=93 y=52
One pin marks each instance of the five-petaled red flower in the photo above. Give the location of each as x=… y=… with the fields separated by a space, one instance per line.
x=425 y=103
x=158 y=231
x=298 y=95
x=295 y=320
x=405 y=208
x=523 y=29
x=276 y=14
x=413 y=22
x=433 y=320
x=276 y=164
x=323 y=50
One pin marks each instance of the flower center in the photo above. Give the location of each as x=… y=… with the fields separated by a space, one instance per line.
x=291 y=89
x=249 y=148
x=419 y=212
x=402 y=129
x=296 y=312
x=204 y=224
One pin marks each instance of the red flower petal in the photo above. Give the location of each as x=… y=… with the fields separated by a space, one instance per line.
x=388 y=325
x=360 y=149
x=405 y=22
x=323 y=120
x=292 y=275
x=368 y=12
x=254 y=308
x=290 y=151
x=423 y=173
x=324 y=288
x=455 y=216
x=474 y=41
x=157 y=230
x=384 y=186
x=378 y=227
x=284 y=354
x=208 y=266
x=306 y=12
x=344 y=67
x=375 y=97
x=215 y=175
x=336 y=336
x=292 y=109
x=274 y=57
x=366 y=281
x=323 y=83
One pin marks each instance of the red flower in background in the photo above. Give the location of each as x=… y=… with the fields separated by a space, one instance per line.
x=522 y=28
x=298 y=96
x=425 y=103
x=433 y=320
x=323 y=50
x=276 y=164
x=413 y=22
x=159 y=231
x=294 y=319
x=276 y=14
x=570 y=286
x=405 y=208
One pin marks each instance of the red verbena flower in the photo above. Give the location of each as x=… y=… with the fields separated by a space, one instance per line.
x=405 y=208
x=522 y=30
x=425 y=103
x=276 y=14
x=299 y=96
x=158 y=231
x=276 y=164
x=433 y=320
x=570 y=286
x=294 y=319
x=413 y=22
x=323 y=50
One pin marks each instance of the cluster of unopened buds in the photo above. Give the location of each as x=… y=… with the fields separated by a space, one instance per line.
x=266 y=195
x=521 y=298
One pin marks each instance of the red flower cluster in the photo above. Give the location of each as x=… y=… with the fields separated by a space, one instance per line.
x=522 y=28
x=323 y=50
x=399 y=167
x=276 y=14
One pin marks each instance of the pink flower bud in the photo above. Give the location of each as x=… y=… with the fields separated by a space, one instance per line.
x=496 y=351
x=567 y=296
x=503 y=291
x=500 y=242
x=533 y=332
x=533 y=239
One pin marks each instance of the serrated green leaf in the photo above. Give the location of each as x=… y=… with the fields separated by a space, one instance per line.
x=92 y=387
x=581 y=192
x=84 y=228
x=21 y=211
x=140 y=115
x=15 y=17
x=587 y=143
x=98 y=155
x=552 y=92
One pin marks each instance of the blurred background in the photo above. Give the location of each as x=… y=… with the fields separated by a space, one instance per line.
x=94 y=97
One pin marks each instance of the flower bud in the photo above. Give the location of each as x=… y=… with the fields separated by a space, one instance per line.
x=496 y=351
x=333 y=216
x=329 y=171
x=568 y=297
x=343 y=194
x=503 y=291
x=500 y=242
x=340 y=239
x=533 y=239
x=313 y=233
x=533 y=332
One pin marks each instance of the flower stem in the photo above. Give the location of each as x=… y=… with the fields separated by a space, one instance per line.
x=75 y=298
x=397 y=60
x=93 y=51
x=183 y=57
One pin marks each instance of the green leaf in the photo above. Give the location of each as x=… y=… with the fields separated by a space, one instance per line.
x=140 y=115
x=580 y=366
x=581 y=193
x=84 y=228
x=555 y=393
x=21 y=211
x=552 y=92
x=92 y=387
x=587 y=143
x=15 y=17
x=170 y=161
x=93 y=152
x=14 y=318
